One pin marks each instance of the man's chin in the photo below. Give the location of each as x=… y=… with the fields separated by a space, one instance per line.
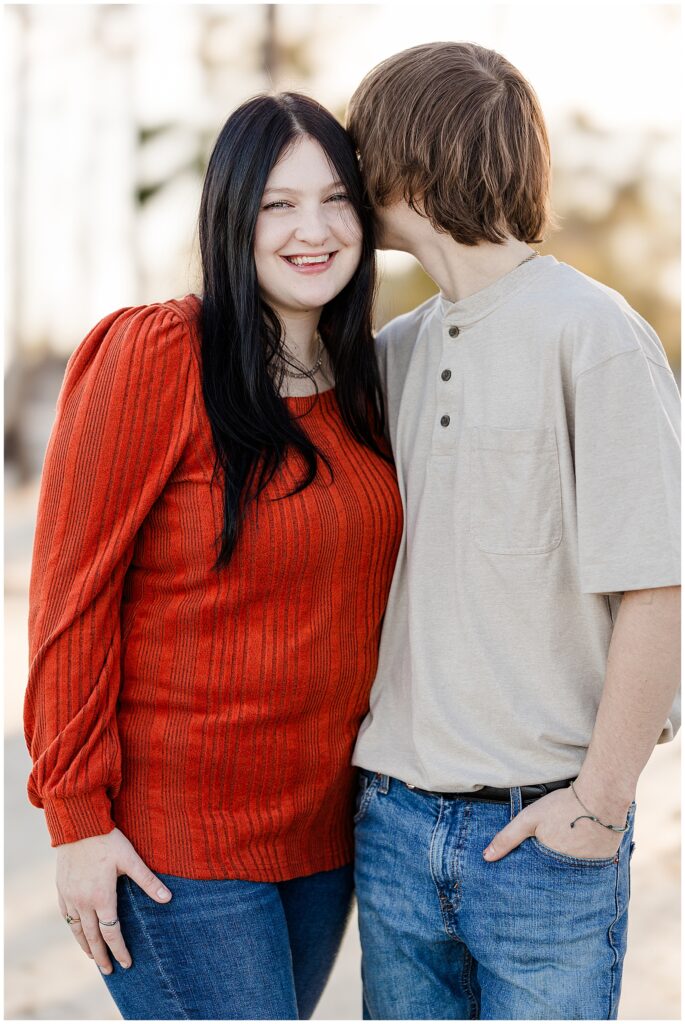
x=387 y=238
x=381 y=238
x=384 y=240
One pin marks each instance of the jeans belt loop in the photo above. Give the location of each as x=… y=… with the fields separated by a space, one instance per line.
x=516 y=800
x=384 y=784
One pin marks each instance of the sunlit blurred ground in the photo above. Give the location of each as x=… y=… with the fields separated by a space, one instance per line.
x=48 y=977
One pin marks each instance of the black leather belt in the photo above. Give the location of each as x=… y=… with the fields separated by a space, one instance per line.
x=498 y=795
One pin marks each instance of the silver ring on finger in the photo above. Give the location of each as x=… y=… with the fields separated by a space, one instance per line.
x=108 y=924
x=71 y=920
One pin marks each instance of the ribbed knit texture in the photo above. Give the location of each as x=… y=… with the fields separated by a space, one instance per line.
x=209 y=715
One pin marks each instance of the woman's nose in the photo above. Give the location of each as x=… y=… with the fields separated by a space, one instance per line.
x=313 y=227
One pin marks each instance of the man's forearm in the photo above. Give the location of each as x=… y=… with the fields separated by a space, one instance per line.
x=643 y=672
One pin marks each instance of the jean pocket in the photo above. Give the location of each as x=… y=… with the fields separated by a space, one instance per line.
x=515 y=491
x=574 y=862
x=365 y=792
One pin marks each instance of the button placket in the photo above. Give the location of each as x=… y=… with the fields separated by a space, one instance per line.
x=444 y=437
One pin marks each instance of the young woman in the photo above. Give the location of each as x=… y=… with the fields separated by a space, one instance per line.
x=217 y=530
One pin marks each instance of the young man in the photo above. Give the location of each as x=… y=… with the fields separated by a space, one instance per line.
x=531 y=637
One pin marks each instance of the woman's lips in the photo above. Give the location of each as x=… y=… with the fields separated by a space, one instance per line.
x=311 y=268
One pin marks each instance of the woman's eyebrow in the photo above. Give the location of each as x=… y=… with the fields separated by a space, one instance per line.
x=297 y=191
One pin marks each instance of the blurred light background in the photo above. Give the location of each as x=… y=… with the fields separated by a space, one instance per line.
x=111 y=113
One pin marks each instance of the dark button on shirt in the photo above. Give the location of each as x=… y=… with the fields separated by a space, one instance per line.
x=445 y=421
x=446 y=374
x=453 y=332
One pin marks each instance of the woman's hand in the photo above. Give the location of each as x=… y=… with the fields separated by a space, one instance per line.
x=87 y=873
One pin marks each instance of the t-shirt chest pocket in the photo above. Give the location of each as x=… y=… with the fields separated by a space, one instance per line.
x=515 y=490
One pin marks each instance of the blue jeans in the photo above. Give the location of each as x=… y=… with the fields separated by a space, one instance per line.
x=230 y=950
x=447 y=935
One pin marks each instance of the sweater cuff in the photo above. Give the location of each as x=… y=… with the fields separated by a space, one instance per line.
x=78 y=817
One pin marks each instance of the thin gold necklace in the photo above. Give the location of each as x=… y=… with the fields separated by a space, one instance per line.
x=531 y=257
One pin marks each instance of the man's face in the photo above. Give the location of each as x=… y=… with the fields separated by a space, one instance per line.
x=400 y=227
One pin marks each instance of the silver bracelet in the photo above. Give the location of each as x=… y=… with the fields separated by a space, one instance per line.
x=612 y=828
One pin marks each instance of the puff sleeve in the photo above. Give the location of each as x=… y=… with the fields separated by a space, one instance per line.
x=123 y=419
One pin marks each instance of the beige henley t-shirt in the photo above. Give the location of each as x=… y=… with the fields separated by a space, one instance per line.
x=535 y=428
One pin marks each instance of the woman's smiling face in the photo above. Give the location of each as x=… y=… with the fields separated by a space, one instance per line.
x=308 y=240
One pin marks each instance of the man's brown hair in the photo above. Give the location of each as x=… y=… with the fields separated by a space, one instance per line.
x=457 y=131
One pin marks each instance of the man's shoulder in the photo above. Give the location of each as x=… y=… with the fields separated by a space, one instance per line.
x=403 y=330
x=596 y=319
x=586 y=296
x=575 y=296
x=395 y=345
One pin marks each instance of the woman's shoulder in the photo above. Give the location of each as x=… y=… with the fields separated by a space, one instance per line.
x=188 y=310
x=172 y=323
x=137 y=341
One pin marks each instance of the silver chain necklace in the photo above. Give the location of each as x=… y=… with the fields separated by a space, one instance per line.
x=304 y=372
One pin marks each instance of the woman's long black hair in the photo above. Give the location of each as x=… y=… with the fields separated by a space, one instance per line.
x=242 y=335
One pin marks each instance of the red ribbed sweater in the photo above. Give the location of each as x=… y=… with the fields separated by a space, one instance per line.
x=210 y=716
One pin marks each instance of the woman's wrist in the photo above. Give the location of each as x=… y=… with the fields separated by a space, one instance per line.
x=78 y=817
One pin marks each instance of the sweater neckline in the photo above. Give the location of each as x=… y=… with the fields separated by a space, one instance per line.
x=317 y=396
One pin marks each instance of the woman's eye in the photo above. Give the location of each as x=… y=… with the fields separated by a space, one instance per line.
x=338 y=197
x=280 y=204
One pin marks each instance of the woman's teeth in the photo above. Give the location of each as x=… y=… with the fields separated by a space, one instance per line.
x=301 y=261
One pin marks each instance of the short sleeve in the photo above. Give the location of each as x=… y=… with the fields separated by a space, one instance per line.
x=122 y=422
x=627 y=468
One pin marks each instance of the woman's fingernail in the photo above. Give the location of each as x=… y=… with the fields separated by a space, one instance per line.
x=163 y=893
x=125 y=964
